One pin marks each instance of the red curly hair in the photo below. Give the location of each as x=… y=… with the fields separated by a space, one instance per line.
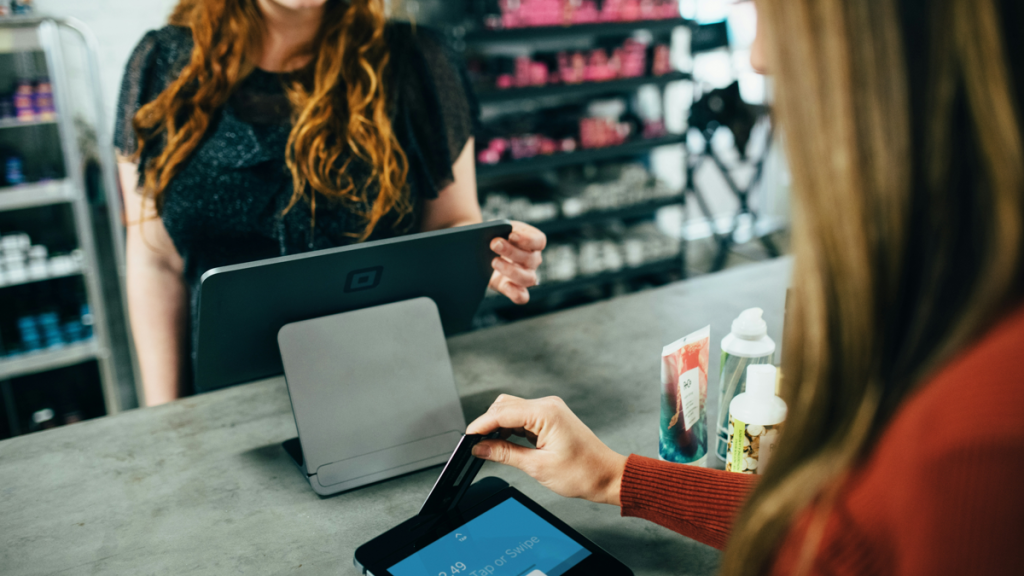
x=342 y=117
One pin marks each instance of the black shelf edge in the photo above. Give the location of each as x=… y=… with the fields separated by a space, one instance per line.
x=634 y=211
x=598 y=29
x=584 y=89
x=492 y=303
x=537 y=163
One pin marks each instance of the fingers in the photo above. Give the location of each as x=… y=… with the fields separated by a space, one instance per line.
x=503 y=452
x=507 y=412
x=529 y=259
x=527 y=237
x=514 y=272
x=516 y=293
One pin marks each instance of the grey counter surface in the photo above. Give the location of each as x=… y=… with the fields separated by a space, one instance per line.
x=202 y=486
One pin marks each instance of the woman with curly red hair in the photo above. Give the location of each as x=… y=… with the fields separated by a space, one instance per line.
x=251 y=129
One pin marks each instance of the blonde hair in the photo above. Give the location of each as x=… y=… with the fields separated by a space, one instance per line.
x=905 y=142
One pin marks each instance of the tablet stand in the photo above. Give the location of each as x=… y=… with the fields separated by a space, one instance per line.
x=372 y=392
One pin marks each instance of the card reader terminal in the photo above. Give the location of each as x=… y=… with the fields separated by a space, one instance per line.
x=485 y=528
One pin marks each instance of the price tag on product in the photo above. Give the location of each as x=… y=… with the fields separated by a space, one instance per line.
x=689 y=392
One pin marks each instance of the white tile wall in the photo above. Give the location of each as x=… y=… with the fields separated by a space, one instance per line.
x=118 y=26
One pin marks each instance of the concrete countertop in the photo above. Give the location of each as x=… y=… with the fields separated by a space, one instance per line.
x=202 y=486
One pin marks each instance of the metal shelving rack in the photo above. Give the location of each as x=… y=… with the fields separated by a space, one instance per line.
x=96 y=214
x=488 y=174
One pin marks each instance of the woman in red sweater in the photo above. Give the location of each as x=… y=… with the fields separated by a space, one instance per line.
x=901 y=454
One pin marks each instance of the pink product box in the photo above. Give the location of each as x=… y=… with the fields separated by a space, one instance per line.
x=523 y=146
x=662 y=63
x=602 y=133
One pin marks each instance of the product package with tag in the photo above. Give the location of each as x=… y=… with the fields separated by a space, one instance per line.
x=684 y=389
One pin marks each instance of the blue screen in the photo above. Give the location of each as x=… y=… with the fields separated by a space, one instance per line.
x=507 y=540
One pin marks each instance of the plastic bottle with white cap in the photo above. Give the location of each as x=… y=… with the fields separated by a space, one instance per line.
x=755 y=419
x=748 y=344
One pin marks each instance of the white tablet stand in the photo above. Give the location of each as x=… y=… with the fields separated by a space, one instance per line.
x=372 y=392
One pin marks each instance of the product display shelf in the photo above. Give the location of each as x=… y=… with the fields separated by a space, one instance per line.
x=484 y=36
x=44 y=360
x=95 y=222
x=17 y=123
x=36 y=194
x=538 y=163
x=598 y=216
x=43 y=279
x=495 y=96
x=496 y=301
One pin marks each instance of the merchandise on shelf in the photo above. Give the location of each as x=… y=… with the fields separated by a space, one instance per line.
x=599 y=124
x=636 y=246
x=14 y=173
x=21 y=7
x=631 y=185
x=43 y=419
x=502 y=14
x=42 y=100
x=628 y=60
x=21 y=262
x=47 y=331
x=24 y=107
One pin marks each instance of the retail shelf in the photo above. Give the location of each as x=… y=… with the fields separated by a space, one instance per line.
x=78 y=272
x=538 y=163
x=16 y=123
x=584 y=89
x=548 y=32
x=634 y=211
x=33 y=362
x=38 y=194
x=497 y=302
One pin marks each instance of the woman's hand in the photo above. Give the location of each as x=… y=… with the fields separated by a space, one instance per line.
x=568 y=459
x=515 y=268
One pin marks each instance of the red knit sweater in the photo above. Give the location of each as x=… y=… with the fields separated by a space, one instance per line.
x=942 y=492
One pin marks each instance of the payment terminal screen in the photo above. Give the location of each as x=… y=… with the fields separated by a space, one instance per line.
x=507 y=540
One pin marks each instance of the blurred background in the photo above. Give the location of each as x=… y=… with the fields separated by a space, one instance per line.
x=633 y=132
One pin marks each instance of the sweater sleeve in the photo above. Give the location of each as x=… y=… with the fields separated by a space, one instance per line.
x=696 y=502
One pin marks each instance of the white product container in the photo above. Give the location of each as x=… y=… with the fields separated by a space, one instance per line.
x=755 y=420
x=746 y=345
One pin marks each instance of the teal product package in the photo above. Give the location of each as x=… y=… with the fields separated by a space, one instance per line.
x=683 y=434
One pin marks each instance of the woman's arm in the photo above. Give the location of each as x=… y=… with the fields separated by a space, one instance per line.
x=515 y=268
x=570 y=460
x=157 y=297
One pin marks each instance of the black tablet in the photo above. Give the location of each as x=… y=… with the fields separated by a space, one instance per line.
x=242 y=307
x=505 y=534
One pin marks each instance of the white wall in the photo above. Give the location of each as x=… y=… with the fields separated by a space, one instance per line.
x=118 y=26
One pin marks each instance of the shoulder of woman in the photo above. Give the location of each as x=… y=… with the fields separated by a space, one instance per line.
x=169 y=45
x=157 y=58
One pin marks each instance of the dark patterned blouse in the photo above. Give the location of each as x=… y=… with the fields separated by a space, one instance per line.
x=225 y=205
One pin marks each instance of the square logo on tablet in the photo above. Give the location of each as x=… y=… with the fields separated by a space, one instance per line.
x=364 y=279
